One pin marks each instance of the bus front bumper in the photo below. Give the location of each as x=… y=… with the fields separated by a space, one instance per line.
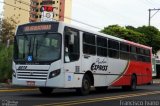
x=29 y=82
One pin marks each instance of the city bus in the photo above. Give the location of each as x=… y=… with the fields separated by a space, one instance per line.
x=51 y=55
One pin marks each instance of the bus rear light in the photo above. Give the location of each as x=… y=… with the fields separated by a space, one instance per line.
x=54 y=73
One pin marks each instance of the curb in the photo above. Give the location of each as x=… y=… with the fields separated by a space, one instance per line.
x=156 y=81
x=5 y=85
x=10 y=86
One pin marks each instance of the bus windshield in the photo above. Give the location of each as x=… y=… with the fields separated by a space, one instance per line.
x=37 y=47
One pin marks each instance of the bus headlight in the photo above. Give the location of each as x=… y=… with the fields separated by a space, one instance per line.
x=54 y=73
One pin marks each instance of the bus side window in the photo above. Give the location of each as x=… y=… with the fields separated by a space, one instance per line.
x=89 y=44
x=101 y=46
x=133 y=54
x=71 y=44
x=113 y=48
x=124 y=51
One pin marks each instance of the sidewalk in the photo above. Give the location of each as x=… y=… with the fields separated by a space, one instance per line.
x=10 y=86
x=4 y=85
x=156 y=81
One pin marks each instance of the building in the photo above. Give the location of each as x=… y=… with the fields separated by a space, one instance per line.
x=68 y=11
x=24 y=11
x=61 y=9
x=17 y=9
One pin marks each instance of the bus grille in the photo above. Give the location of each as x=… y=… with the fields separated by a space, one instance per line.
x=32 y=74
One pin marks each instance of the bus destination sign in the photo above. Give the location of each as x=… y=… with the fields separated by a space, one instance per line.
x=37 y=28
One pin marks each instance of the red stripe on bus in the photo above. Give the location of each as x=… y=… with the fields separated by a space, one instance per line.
x=142 y=70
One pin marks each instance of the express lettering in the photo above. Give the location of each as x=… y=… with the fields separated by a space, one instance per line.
x=99 y=67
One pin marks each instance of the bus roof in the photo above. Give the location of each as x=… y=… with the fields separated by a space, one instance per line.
x=90 y=31
x=108 y=36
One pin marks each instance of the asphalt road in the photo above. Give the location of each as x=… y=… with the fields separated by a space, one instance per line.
x=148 y=95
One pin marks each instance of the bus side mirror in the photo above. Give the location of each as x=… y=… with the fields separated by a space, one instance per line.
x=71 y=39
x=66 y=55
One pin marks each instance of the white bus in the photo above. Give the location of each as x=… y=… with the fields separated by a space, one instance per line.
x=52 y=55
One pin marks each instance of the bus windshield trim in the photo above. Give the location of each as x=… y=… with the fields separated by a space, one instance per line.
x=35 y=42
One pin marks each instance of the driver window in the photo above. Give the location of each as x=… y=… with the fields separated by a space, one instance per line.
x=71 y=42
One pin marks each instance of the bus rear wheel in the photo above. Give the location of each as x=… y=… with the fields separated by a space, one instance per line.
x=86 y=85
x=133 y=85
x=46 y=90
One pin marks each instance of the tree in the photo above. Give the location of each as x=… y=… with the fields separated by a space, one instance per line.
x=5 y=62
x=153 y=36
x=146 y=35
x=131 y=28
x=7 y=30
x=124 y=33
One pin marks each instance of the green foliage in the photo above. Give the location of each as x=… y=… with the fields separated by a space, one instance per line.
x=8 y=28
x=124 y=33
x=5 y=62
x=153 y=36
x=146 y=35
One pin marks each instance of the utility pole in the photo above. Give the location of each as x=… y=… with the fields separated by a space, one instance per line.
x=149 y=22
x=150 y=10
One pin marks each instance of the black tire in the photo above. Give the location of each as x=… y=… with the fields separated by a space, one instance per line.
x=46 y=90
x=133 y=85
x=125 y=88
x=101 y=89
x=86 y=85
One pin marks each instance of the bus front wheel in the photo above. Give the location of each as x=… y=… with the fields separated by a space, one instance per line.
x=46 y=90
x=86 y=85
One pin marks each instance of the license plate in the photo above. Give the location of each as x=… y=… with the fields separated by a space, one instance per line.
x=31 y=83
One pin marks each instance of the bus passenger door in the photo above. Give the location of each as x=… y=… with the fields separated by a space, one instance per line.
x=71 y=56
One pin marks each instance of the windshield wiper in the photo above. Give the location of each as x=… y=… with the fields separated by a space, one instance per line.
x=16 y=48
x=36 y=47
x=29 y=47
x=33 y=44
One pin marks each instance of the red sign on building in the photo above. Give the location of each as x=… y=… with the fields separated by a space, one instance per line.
x=47 y=8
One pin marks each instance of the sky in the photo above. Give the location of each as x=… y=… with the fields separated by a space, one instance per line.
x=101 y=13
